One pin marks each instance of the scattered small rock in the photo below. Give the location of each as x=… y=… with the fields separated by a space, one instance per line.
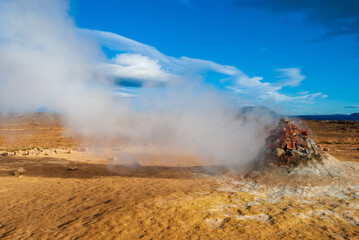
x=71 y=168
x=57 y=151
x=5 y=154
x=31 y=152
x=19 y=172
x=18 y=153
x=47 y=152
x=325 y=149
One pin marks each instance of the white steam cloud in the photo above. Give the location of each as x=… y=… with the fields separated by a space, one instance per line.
x=47 y=62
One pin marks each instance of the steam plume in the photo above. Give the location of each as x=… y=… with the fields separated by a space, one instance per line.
x=47 y=62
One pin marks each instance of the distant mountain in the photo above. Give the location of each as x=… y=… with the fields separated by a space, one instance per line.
x=267 y=112
x=336 y=117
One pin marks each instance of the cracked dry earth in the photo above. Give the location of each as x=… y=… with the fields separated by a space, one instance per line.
x=102 y=201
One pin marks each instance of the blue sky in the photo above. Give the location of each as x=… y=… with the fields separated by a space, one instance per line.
x=300 y=56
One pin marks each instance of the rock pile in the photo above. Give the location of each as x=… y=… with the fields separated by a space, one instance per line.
x=287 y=136
x=289 y=151
x=290 y=146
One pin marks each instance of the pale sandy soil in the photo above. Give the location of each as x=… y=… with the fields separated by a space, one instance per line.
x=158 y=194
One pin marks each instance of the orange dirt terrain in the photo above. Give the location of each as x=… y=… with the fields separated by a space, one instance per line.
x=341 y=138
x=55 y=185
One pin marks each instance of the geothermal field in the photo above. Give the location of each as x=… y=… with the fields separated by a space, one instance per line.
x=55 y=185
x=179 y=119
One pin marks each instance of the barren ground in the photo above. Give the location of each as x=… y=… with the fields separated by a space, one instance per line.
x=340 y=137
x=156 y=194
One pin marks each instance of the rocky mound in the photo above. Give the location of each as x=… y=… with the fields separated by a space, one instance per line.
x=290 y=151
x=289 y=145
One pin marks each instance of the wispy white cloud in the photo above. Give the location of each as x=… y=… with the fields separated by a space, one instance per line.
x=135 y=67
x=125 y=94
x=119 y=43
x=352 y=106
x=147 y=65
x=303 y=93
x=291 y=77
x=288 y=77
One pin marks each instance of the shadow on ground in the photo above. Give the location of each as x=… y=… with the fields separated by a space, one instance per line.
x=59 y=168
